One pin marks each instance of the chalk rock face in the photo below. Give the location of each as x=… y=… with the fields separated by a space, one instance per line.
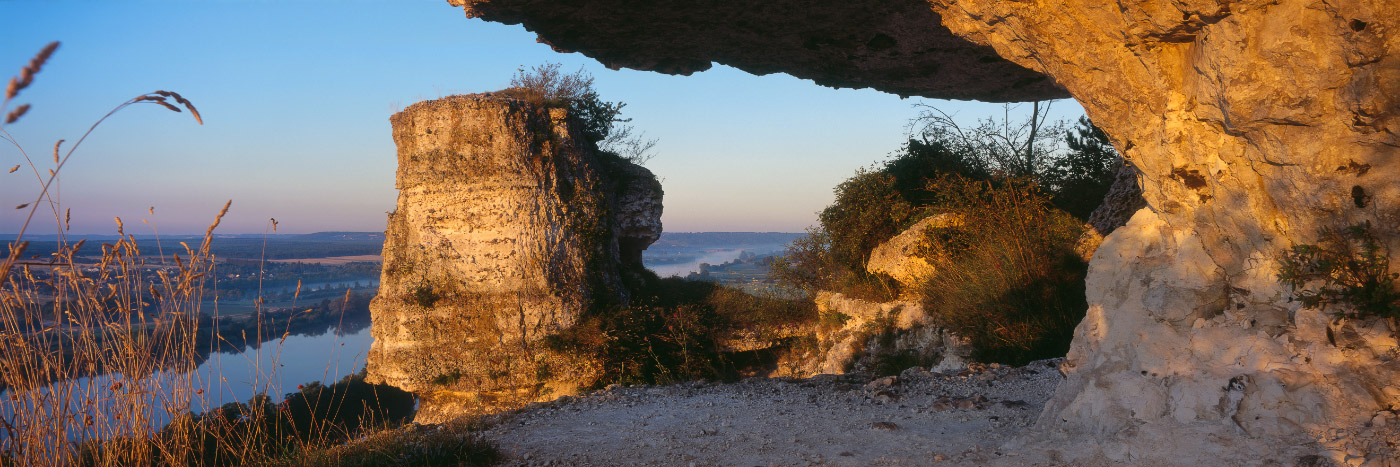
x=508 y=227
x=1253 y=124
x=637 y=217
x=902 y=257
x=880 y=337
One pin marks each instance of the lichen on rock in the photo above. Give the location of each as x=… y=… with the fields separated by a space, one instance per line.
x=509 y=227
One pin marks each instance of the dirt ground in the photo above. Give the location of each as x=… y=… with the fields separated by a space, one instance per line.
x=918 y=418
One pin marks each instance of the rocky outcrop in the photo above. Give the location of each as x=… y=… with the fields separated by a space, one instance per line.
x=1253 y=125
x=509 y=227
x=906 y=257
x=1124 y=198
x=879 y=338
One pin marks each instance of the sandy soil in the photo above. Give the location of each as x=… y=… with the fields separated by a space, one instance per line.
x=917 y=418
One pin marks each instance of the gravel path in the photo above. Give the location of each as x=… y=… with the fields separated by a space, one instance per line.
x=917 y=418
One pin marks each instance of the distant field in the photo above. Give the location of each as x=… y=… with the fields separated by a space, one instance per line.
x=333 y=260
x=271 y=247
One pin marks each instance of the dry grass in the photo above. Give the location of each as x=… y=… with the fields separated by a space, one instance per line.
x=97 y=361
x=1012 y=284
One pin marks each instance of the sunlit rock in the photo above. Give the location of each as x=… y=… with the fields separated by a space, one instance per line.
x=1252 y=124
x=509 y=227
x=909 y=257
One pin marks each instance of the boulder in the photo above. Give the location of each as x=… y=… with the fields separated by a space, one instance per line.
x=509 y=228
x=908 y=257
x=870 y=337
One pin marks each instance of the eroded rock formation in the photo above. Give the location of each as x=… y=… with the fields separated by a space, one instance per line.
x=905 y=258
x=1253 y=124
x=509 y=226
x=882 y=338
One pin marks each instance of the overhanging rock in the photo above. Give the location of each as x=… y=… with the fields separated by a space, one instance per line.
x=1253 y=124
x=894 y=46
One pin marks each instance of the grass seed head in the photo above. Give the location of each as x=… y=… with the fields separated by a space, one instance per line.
x=26 y=75
x=16 y=114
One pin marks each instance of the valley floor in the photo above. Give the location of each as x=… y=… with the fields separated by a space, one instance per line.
x=918 y=418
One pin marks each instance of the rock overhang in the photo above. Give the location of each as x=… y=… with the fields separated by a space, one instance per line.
x=1244 y=121
x=898 y=47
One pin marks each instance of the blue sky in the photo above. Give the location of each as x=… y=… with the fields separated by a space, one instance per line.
x=296 y=97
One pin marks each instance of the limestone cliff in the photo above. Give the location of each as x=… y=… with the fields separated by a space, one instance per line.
x=1253 y=124
x=509 y=226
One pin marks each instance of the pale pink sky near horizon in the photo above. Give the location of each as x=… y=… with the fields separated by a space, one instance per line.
x=296 y=98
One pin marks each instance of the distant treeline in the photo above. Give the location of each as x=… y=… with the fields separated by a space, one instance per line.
x=317 y=245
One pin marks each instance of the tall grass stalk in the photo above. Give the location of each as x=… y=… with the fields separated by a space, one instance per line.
x=1010 y=281
x=98 y=357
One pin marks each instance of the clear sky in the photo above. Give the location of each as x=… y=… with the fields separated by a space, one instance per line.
x=296 y=97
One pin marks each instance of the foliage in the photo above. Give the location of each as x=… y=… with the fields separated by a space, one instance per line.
x=97 y=389
x=1077 y=174
x=806 y=266
x=1013 y=147
x=626 y=142
x=545 y=84
x=1347 y=266
x=1082 y=175
x=314 y=416
x=453 y=443
x=868 y=210
x=1013 y=285
x=424 y=296
x=871 y=207
x=670 y=332
x=1008 y=279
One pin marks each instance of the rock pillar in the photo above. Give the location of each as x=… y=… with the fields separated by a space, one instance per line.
x=509 y=228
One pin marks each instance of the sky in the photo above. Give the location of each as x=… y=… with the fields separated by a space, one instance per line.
x=296 y=97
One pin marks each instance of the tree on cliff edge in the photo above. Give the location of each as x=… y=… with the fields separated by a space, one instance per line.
x=545 y=84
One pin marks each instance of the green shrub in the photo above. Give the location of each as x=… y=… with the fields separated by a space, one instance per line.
x=1082 y=175
x=1347 y=266
x=670 y=332
x=546 y=85
x=1013 y=286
